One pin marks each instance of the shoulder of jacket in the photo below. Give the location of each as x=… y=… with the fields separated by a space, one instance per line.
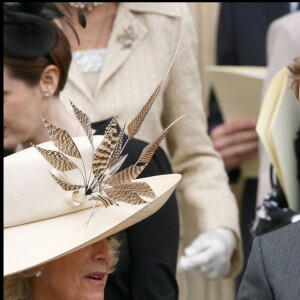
x=285 y=30
x=172 y=9
x=289 y=22
x=279 y=236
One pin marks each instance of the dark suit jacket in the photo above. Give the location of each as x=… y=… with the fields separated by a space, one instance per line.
x=273 y=269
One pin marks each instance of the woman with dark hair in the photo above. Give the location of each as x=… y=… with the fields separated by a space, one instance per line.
x=35 y=71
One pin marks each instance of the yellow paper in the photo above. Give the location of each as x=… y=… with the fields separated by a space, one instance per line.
x=269 y=106
x=278 y=123
x=238 y=90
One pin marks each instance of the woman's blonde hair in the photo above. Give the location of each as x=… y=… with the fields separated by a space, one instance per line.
x=18 y=286
x=115 y=245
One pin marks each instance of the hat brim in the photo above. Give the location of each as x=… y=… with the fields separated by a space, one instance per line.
x=36 y=243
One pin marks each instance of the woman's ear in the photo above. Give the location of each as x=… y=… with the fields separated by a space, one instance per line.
x=49 y=81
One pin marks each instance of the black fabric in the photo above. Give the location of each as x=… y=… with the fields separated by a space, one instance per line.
x=147 y=262
x=242 y=31
x=247 y=216
x=241 y=40
x=28 y=30
x=7 y=152
x=280 y=217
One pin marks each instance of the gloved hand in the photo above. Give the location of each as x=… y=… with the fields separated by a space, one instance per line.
x=210 y=253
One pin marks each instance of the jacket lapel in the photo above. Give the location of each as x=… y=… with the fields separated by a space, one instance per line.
x=117 y=54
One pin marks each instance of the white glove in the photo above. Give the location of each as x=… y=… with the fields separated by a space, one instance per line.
x=210 y=253
x=295 y=218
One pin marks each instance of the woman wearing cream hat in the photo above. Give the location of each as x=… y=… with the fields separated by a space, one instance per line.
x=58 y=224
x=22 y=126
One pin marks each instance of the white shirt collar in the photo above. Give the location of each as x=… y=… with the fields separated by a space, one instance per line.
x=293 y=6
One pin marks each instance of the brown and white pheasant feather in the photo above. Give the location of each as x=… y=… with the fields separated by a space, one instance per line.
x=107 y=185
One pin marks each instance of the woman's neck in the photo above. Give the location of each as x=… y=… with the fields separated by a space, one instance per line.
x=99 y=24
x=57 y=115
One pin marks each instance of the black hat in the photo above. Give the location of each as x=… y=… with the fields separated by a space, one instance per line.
x=28 y=28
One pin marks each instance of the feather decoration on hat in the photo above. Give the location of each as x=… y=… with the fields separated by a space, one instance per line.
x=107 y=185
x=136 y=123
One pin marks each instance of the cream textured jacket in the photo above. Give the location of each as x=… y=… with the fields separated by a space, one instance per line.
x=128 y=78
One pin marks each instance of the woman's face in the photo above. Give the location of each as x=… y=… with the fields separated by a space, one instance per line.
x=80 y=275
x=22 y=111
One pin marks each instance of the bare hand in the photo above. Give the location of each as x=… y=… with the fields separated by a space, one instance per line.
x=236 y=141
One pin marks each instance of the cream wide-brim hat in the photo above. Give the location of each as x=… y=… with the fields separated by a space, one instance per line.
x=39 y=223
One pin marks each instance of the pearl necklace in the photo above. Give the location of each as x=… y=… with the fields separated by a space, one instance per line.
x=85 y=5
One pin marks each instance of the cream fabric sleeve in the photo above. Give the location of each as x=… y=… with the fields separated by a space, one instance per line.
x=204 y=184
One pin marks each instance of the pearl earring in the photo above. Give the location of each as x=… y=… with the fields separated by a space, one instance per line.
x=38 y=274
x=46 y=95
